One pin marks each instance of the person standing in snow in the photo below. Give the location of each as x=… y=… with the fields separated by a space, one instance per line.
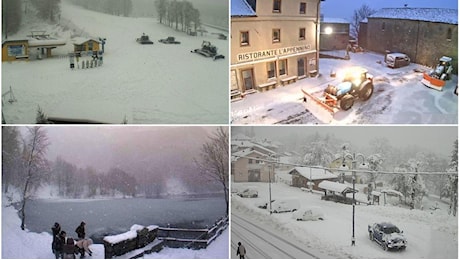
x=59 y=244
x=81 y=230
x=241 y=251
x=56 y=229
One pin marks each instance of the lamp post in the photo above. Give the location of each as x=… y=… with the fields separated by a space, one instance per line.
x=353 y=178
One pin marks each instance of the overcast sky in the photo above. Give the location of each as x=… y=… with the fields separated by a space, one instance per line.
x=344 y=8
x=439 y=139
x=103 y=147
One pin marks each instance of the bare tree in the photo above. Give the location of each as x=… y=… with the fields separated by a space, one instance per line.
x=213 y=162
x=360 y=14
x=34 y=162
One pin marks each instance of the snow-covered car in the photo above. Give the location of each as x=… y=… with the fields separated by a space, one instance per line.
x=387 y=235
x=285 y=205
x=310 y=213
x=248 y=193
x=397 y=60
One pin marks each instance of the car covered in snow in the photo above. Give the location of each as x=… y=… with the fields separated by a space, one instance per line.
x=387 y=235
x=397 y=60
x=285 y=205
x=248 y=193
x=310 y=213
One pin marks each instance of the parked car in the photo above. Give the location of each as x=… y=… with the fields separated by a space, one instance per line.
x=310 y=213
x=397 y=60
x=387 y=235
x=248 y=193
x=285 y=205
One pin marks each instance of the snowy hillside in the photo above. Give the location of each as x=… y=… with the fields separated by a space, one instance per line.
x=430 y=233
x=156 y=83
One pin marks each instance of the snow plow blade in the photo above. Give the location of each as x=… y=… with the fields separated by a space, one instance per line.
x=433 y=83
x=316 y=107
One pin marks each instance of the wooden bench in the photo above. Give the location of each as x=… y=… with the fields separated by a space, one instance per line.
x=266 y=86
x=288 y=80
x=313 y=73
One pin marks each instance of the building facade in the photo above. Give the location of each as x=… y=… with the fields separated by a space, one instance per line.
x=15 y=50
x=247 y=168
x=334 y=34
x=273 y=43
x=424 y=34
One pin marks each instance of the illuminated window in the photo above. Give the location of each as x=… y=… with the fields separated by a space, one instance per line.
x=277 y=6
x=244 y=38
x=276 y=35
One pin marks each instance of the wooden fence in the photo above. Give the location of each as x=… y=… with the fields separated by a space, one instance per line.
x=143 y=240
x=192 y=238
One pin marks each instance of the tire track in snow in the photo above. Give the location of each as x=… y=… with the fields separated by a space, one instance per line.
x=238 y=221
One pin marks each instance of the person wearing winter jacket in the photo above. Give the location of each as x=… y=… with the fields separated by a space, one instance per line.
x=56 y=229
x=81 y=233
x=58 y=244
x=241 y=251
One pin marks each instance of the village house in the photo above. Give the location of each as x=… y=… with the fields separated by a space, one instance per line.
x=246 y=167
x=334 y=34
x=307 y=177
x=85 y=45
x=273 y=43
x=424 y=34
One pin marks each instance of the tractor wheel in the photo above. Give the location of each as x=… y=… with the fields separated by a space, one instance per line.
x=366 y=91
x=371 y=237
x=346 y=102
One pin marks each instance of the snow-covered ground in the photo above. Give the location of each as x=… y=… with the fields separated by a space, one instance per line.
x=399 y=97
x=156 y=84
x=430 y=233
x=19 y=244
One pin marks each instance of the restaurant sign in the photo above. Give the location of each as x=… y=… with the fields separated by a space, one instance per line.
x=265 y=54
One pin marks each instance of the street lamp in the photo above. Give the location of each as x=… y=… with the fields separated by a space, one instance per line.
x=328 y=30
x=353 y=178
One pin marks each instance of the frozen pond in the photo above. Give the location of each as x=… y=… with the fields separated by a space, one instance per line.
x=113 y=216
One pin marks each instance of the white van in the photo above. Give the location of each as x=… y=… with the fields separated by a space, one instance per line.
x=310 y=213
x=285 y=205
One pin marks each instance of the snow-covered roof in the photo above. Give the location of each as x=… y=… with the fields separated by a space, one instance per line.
x=334 y=20
x=314 y=174
x=246 y=152
x=393 y=192
x=47 y=42
x=253 y=145
x=437 y=15
x=335 y=186
x=241 y=8
x=81 y=40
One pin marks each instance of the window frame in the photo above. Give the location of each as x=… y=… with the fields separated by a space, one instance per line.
x=302 y=37
x=278 y=32
x=304 y=5
x=244 y=43
x=276 y=4
x=270 y=70
x=284 y=67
